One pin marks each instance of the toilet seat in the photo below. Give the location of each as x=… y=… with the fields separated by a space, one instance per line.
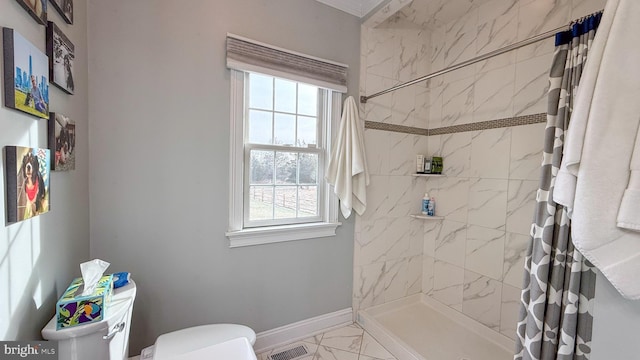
x=235 y=349
x=194 y=339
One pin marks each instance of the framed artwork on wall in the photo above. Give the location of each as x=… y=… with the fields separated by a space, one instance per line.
x=36 y=8
x=62 y=142
x=65 y=8
x=26 y=82
x=28 y=173
x=61 y=53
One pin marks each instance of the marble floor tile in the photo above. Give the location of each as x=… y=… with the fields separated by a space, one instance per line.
x=350 y=342
x=328 y=353
x=327 y=346
x=348 y=338
x=371 y=349
x=313 y=339
x=365 y=357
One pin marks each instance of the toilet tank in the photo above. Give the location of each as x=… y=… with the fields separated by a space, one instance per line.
x=104 y=340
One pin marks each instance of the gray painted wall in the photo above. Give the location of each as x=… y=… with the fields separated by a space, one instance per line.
x=39 y=257
x=159 y=133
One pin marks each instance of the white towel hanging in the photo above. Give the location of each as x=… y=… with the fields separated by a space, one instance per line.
x=347 y=170
x=597 y=172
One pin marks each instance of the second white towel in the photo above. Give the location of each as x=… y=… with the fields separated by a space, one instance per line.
x=596 y=166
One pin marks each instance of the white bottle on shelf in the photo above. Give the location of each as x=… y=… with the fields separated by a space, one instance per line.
x=419 y=164
x=425 y=204
x=431 y=207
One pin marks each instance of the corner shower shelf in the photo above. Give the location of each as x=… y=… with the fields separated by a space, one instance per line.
x=425 y=175
x=426 y=217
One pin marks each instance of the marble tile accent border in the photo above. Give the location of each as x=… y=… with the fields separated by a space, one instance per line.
x=482 y=125
x=374 y=125
x=491 y=124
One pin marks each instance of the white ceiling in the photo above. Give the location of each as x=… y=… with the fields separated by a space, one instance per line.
x=359 y=8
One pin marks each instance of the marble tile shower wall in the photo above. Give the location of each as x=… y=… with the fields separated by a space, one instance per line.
x=389 y=243
x=471 y=260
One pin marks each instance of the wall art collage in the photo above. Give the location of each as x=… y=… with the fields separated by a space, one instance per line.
x=28 y=72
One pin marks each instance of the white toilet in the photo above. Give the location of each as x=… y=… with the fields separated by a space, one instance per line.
x=109 y=338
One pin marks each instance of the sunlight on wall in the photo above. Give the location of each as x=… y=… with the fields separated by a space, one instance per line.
x=5 y=314
x=20 y=251
x=19 y=256
x=38 y=296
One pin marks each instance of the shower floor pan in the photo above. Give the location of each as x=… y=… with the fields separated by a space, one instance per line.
x=420 y=328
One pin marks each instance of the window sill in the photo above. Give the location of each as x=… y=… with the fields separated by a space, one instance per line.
x=274 y=234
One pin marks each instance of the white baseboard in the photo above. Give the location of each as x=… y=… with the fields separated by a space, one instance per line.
x=283 y=335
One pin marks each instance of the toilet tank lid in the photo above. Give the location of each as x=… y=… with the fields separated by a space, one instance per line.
x=194 y=338
x=121 y=302
x=114 y=314
x=127 y=291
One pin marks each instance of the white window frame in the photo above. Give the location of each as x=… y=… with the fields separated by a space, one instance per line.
x=241 y=235
x=318 y=150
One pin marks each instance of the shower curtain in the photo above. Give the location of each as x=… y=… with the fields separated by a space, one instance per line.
x=559 y=284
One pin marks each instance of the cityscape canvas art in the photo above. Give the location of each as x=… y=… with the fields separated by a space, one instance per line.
x=26 y=81
x=28 y=173
x=61 y=58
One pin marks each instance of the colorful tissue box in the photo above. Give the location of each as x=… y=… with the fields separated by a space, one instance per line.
x=73 y=309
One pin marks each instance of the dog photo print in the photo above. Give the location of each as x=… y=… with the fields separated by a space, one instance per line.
x=61 y=56
x=26 y=71
x=28 y=171
x=62 y=142
x=65 y=8
x=36 y=8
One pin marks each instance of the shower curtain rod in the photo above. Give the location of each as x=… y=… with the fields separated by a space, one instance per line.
x=529 y=41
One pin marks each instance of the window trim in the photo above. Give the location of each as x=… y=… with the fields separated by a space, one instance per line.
x=239 y=236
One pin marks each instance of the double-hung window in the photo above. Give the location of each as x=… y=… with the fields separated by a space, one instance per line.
x=281 y=128
x=283 y=152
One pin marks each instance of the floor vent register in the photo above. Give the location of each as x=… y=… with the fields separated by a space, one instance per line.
x=290 y=354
